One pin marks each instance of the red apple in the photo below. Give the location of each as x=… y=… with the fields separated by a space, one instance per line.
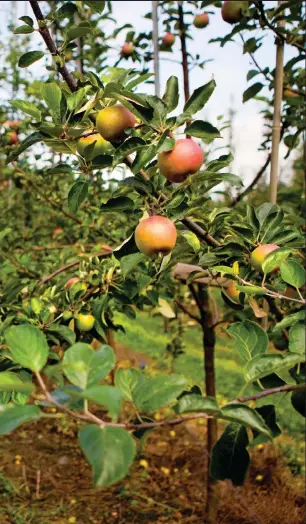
x=184 y=159
x=154 y=235
x=127 y=49
x=201 y=20
x=168 y=40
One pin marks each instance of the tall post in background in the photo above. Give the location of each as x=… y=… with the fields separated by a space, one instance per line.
x=156 y=46
x=276 y=127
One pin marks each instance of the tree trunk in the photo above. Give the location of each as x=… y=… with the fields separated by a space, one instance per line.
x=156 y=46
x=209 y=339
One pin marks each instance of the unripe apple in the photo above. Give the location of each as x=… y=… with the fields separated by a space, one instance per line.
x=185 y=158
x=71 y=282
x=232 y=11
x=154 y=235
x=260 y=253
x=84 y=321
x=168 y=40
x=232 y=292
x=99 y=147
x=113 y=120
x=127 y=49
x=201 y=20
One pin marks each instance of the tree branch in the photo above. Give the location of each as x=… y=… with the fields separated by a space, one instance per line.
x=45 y=33
x=271 y=391
x=185 y=310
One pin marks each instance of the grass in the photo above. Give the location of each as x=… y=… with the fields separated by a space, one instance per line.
x=146 y=335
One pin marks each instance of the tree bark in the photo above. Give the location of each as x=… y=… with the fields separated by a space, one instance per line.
x=156 y=46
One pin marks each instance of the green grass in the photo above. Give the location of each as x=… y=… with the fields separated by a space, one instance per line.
x=146 y=335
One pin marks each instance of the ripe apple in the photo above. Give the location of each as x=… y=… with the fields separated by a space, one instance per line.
x=232 y=292
x=11 y=138
x=12 y=124
x=260 y=253
x=127 y=49
x=71 y=282
x=288 y=93
x=168 y=40
x=154 y=235
x=185 y=158
x=99 y=147
x=232 y=11
x=84 y=321
x=57 y=231
x=201 y=20
x=113 y=120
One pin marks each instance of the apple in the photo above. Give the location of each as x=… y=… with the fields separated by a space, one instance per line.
x=154 y=235
x=168 y=40
x=12 y=124
x=232 y=11
x=100 y=146
x=84 y=321
x=288 y=93
x=232 y=292
x=127 y=49
x=11 y=138
x=260 y=253
x=113 y=120
x=71 y=282
x=201 y=20
x=185 y=158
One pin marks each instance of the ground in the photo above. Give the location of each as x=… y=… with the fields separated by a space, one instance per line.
x=44 y=478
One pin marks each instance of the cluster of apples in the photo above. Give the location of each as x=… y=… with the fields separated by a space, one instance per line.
x=257 y=258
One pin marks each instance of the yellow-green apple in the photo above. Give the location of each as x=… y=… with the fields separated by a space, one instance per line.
x=100 y=146
x=232 y=11
x=84 y=321
x=260 y=253
x=113 y=120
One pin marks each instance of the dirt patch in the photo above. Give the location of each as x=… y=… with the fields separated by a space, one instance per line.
x=44 y=479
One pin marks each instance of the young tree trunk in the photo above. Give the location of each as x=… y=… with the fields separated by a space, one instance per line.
x=202 y=300
x=156 y=46
x=184 y=50
x=276 y=127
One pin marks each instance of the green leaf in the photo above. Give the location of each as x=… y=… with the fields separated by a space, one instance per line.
x=52 y=95
x=67 y=10
x=102 y=161
x=127 y=147
x=130 y=262
x=224 y=270
x=246 y=416
x=109 y=451
x=107 y=396
x=133 y=182
x=252 y=91
x=191 y=403
x=192 y=240
x=75 y=100
x=84 y=367
x=28 y=346
x=264 y=365
x=77 y=194
x=251 y=290
x=12 y=416
x=293 y=273
x=10 y=381
x=29 y=141
x=199 y=98
x=77 y=32
x=157 y=392
x=29 y=58
x=269 y=416
x=298 y=401
x=288 y=321
x=23 y=29
x=27 y=20
x=96 y=5
x=220 y=163
x=118 y=204
x=28 y=108
x=171 y=95
x=251 y=339
x=126 y=380
x=297 y=338
x=201 y=129
x=230 y=458
x=64 y=332
x=273 y=260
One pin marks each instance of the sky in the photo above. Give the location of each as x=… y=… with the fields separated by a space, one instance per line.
x=228 y=67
